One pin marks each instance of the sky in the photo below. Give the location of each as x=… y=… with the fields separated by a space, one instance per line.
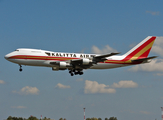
x=99 y=26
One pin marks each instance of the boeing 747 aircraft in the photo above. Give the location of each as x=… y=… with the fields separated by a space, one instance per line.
x=76 y=62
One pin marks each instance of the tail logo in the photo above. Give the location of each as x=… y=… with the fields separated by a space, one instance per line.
x=141 y=50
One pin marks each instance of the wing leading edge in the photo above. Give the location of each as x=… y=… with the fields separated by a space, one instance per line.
x=102 y=58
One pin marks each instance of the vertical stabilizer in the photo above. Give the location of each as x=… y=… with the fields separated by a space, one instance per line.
x=142 y=49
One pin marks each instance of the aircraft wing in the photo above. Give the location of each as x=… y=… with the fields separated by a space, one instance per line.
x=76 y=61
x=55 y=63
x=144 y=59
x=95 y=59
x=105 y=55
x=102 y=58
x=84 y=63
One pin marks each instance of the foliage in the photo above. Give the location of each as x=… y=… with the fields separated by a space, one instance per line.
x=62 y=119
x=15 y=118
x=46 y=118
x=92 y=118
x=32 y=118
x=9 y=118
x=88 y=119
x=112 y=118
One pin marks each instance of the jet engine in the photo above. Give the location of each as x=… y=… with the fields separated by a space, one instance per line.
x=60 y=66
x=86 y=61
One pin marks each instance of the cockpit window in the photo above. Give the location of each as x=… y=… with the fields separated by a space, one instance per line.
x=47 y=53
x=17 y=50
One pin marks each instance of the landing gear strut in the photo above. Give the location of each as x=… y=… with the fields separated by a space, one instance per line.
x=75 y=72
x=20 y=69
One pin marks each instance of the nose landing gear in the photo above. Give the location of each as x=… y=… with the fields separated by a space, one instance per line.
x=20 y=69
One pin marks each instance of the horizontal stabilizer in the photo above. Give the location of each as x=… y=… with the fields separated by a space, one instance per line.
x=144 y=59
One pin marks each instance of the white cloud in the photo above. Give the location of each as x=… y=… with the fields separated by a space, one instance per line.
x=19 y=107
x=69 y=98
x=61 y=86
x=153 y=13
x=157 y=47
x=79 y=80
x=28 y=90
x=2 y=82
x=145 y=112
x=92 y=87
x=125 y=84
x=159 y=74
x=154 y=65
x=106 y=49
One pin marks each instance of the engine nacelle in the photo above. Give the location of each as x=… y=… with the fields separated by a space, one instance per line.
x=55 y=68
x=86 y=61
x=60 y=66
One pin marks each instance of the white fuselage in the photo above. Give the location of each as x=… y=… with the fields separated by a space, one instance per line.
x=76 y=62
x=36 y=57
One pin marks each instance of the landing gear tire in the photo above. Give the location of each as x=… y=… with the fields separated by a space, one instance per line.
x=80 y=73
x=72 y=74
x=20 y=68
x=75 y=72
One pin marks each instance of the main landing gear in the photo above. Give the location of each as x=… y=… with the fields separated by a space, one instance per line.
x=20 y=69
x=75 y=72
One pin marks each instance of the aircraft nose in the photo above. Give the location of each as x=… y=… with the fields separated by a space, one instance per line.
x=7 y=56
